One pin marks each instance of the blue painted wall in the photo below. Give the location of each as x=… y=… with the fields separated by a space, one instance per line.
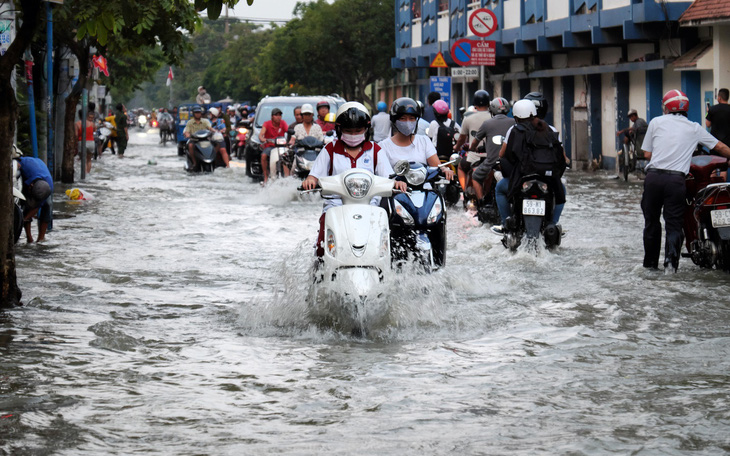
x=654 y=94
x=691 y=82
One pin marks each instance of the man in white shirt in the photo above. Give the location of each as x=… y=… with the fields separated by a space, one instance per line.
x=381 y=123
x=669 y=143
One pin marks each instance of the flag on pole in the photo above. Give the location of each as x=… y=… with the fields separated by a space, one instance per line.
x=170 y=77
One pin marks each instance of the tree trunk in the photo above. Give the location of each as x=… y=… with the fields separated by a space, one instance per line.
x=9 y=292
x=70 y=142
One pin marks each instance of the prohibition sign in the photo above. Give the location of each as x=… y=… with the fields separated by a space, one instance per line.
x=483 y=22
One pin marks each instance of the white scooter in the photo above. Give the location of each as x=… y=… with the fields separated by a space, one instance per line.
x=279 y=155
x=356 y=250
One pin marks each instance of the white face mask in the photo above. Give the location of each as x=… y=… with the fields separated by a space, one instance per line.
x=406 y=127
x=353 y=140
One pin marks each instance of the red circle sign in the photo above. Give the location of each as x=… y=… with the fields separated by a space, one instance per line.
x=483 y=22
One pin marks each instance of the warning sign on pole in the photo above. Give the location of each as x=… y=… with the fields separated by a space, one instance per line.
x=439 y=61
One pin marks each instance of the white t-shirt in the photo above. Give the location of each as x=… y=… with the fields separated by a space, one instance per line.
x=381 y=126
x=418 y=151
x=315 y=130
x=433 y=129
x=671 y=139
x=422 y=126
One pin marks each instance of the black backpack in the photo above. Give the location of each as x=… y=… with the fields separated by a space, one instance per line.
x=542 y=152
x=445 y=140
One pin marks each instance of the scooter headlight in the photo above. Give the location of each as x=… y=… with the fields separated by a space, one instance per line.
x=403 y=213
x=436 y=211
x=331 y=244
x=416 y=176
x=358 y=184
x=242 y=131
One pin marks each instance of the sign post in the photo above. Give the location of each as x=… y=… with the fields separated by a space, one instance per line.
x=442 y=85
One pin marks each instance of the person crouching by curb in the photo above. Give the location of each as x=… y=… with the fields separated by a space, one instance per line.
x=37 y=187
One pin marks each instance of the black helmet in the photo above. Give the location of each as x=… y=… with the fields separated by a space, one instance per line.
x=541 y=104
x=352 y=115
x=499 y=106
x=420 y=108
x=403 y=106
x=481 y=98
x=197 y=109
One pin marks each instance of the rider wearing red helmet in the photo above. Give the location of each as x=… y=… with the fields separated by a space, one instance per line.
x=669 y=143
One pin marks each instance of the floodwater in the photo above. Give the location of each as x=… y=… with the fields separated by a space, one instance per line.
x=168 y=316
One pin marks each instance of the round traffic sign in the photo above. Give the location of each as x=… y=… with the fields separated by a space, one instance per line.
x=461 y=51
x=483 y=22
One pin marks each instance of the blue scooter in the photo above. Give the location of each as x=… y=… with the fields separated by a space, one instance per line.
x=418 y=218
x=204 y=150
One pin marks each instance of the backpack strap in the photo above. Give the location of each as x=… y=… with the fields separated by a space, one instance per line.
x=332 y=159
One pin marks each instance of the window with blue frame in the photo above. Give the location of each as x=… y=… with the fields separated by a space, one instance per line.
x=585 y=7
x=534 y=11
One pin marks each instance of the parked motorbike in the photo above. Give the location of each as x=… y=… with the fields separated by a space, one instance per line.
x=418 y=218
x=306 y=151
x=356 y=251
x=532 y=214
x=707 y=216
x=204 y=150
x=102 y=136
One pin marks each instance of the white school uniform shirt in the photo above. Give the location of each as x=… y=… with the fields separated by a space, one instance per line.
x=419 y=151
x=342 y=161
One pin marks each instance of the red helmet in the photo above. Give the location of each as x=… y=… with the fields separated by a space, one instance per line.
x=441 y=107
x=323 y=104
x=675 y=101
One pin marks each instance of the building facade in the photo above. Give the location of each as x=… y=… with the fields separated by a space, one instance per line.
x=594 y=60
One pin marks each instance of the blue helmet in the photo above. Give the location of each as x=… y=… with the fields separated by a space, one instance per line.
x=382 y=106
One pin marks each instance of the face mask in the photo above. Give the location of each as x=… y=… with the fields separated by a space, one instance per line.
x=353 y=140
x=405 y=127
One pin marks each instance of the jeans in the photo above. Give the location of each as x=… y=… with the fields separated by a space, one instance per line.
x=502 y=190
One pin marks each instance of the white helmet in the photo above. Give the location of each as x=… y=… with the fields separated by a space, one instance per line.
x=214 y=111
x=524 y=109
x=307 y=109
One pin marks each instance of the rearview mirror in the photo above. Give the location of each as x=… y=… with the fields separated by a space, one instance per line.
x=401 y=167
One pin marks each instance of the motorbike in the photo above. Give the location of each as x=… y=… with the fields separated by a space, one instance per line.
x=418 y=218
x=356 y=251
x=141 y=121
x=240 y=140
x=204 y=150
x=167 y=132
x=306 y=151
x=154 y=123
x=707 y=215
x=102 y=138
x=532 y=214
x=278 y=157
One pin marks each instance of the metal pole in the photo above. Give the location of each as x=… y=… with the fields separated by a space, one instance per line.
x=49 y=73
x=31 y=101
x=49 y=76
x=82 y=141
x=481 y=77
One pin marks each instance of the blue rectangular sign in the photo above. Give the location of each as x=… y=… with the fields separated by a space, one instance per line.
x=442 y=85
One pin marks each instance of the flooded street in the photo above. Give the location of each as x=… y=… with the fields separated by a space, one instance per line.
x=168 y=316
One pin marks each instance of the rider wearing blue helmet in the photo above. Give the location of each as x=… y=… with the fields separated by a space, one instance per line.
x=381 y=123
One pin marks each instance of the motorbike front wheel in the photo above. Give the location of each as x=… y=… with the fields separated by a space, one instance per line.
x=626 y=162
x=17 y=222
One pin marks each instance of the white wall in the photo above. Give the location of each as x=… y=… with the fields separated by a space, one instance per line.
x=516 y=65
x=611 y=4
x=671 y=80
x=511 y=14
x=579 y=58
x=558 y=9
x=706 y=85
x=558 y=106
x=637 y=51
x=580 y=91
x=637 y=93
x=608 y=115
x=721 y=49
x=608 y=56
x=416 y=33
x=443 y=26
x=560 y=61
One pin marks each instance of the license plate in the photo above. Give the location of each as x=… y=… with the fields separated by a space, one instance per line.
x=720 y=218
x=533 y=207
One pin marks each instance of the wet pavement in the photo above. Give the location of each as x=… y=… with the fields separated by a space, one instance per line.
x=168 y=315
